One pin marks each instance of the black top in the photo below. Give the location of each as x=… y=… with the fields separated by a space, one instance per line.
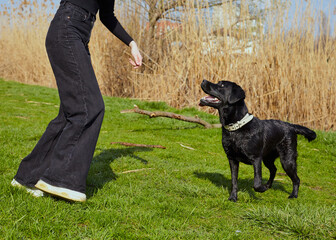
x=106 y=15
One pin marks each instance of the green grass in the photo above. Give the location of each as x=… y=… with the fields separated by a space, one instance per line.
x=178 y=194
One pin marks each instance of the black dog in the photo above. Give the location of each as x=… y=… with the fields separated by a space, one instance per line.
x=249 y=140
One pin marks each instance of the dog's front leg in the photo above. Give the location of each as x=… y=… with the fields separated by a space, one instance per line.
x=234 y=166
x=258 y=186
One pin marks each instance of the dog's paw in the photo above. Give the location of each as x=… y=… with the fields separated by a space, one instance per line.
x=292 y=196
x=261 y=188
x=268 y=185
x=233 y=198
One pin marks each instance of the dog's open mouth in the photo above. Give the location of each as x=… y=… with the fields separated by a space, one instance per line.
x=209 y=99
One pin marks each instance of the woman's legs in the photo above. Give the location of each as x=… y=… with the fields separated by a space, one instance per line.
x=33 y=166
x=63 y=155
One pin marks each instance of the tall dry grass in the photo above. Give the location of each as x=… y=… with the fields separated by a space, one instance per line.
x=288 y=75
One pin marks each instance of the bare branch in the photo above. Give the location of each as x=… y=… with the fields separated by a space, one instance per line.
x=137 y=170
x=138 y=145
x=172 y=115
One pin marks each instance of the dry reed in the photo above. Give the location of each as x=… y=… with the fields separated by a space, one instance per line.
x=288 y=75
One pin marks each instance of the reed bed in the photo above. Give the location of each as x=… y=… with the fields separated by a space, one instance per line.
x=288 y=74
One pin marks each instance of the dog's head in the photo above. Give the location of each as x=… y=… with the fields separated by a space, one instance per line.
x=221 y=95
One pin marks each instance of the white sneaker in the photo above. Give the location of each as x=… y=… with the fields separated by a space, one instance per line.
x=61 y=192
x=33 y=191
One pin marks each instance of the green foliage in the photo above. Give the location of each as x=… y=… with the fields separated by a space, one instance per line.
x=175 y=193
x=304 y=221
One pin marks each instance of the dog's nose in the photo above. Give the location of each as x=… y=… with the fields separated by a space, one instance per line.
x=204 y=81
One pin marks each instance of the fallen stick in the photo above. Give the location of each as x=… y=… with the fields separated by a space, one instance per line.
x=136 y=170
x=190 y=148
x=136 y=109
x=138 y=145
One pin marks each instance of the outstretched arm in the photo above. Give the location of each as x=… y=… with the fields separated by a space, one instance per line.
x=107 y=17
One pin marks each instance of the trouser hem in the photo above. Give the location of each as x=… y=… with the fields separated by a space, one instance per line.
x=62 y=185
x=23 y=183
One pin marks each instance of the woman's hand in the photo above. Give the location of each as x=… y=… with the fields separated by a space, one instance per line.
x=137 y=61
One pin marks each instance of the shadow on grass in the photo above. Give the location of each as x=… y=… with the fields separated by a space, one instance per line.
x=100 y=171
x=247 y=184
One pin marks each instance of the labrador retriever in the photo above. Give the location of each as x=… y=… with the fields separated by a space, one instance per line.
x=249 y=140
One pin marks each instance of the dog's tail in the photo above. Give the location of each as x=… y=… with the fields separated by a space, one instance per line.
x=306 y=132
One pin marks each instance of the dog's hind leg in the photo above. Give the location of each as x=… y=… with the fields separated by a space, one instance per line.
x=272 y=169
x=288 y=156
x=269 y=163
x=258 y=186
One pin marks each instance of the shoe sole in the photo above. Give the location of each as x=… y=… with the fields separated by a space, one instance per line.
x=61 y=192
x=34 y=192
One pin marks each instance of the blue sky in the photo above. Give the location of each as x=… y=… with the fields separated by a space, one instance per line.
x=327 y=6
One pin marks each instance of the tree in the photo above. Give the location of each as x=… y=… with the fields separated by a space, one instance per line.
x=244 y=10
x=244 y=16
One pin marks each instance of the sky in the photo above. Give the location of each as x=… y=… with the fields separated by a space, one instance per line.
x=327 y=6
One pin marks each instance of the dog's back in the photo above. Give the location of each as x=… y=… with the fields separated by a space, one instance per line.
x=271 y=124
x=275 y=132
x=264 y=137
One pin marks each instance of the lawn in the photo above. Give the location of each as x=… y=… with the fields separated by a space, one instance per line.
x=148 y=193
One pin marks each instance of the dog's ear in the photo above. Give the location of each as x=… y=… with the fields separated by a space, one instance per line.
x=237 y=94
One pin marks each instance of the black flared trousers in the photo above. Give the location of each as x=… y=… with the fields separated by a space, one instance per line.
x=63 y=155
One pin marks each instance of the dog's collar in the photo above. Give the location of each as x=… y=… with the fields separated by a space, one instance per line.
x=235 y=126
